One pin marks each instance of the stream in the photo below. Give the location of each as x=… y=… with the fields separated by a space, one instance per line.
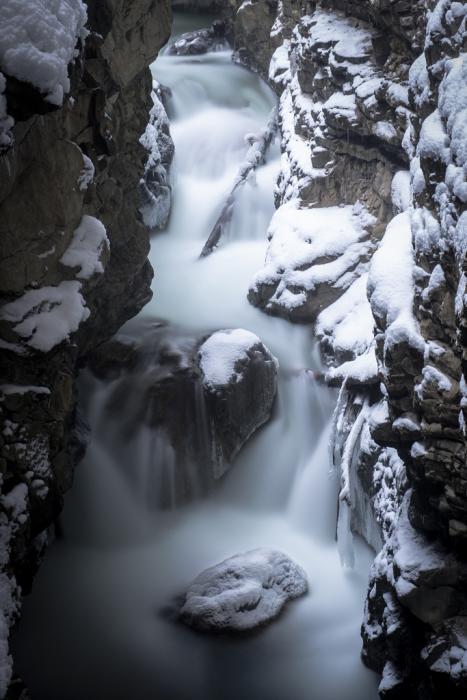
x=96 y=625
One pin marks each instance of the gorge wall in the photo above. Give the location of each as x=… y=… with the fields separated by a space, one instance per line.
x=73 y=176
x=372 y=115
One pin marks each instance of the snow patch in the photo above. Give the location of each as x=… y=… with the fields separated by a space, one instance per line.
x=38 y=41
x=87 y=246
x=220 y=354
x=47 y=316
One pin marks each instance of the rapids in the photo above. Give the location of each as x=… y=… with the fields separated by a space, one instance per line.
x=99 y=623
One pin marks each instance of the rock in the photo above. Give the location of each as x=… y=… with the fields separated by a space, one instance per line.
x=200 y=41
x=243 y=592
x=314 y=256
x=203 y=397
x=239 y=379
x=74 y=264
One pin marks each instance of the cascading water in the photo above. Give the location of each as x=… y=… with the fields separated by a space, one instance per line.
x=99 y=623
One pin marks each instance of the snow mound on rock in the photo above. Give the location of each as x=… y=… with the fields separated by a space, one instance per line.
x=244 y=591
x=38 y=40
x=221 y=353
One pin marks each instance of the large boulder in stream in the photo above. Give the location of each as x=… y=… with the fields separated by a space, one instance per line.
x=197 y=400
x=243 y=592
x=239 y=381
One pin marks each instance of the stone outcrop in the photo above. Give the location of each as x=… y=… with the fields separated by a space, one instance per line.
x=74 y=262
x=243 y=592
x=201 y=398
x=367 y=89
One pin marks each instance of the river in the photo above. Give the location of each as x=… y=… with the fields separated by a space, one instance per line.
x=96 y=625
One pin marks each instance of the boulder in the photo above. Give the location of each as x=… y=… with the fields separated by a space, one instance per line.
x=243 y=592
x=239 y=382
x=203 y=397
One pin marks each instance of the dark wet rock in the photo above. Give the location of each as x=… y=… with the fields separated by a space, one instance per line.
x=69 y=171
x=202 y=397
x=243 y=592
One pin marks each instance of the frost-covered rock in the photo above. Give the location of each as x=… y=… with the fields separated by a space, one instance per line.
x=313 y=257
x=155 y=188
x=243 y=592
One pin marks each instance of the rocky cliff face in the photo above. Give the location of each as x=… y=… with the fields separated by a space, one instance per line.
x=372 y=111
x=74 y=249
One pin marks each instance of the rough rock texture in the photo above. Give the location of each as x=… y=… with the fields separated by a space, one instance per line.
x=73 y=267
x=243 y=592
x=424 y=378
x=344 y=110
x=368 y=90
x=201 y=398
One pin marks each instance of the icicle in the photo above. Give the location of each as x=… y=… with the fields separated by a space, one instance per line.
x=344 y=533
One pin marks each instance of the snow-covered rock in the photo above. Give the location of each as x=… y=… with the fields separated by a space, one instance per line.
x=313 y=257
x=156 y=192
x=38 y=41
x=243 y=592
x=201 y=398
x=240 y=380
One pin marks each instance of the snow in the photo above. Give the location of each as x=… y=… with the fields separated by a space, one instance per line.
x=87 y=246
x=433 y=381
x=155 y=186
x=38 y=40
x=391 y=678
x=362 y=370
x=8 y=389
x=453 y=106
x=309 y=247
x=220 y=354
x=385 y=131
x=244 y=591
x=401 y=191
x=343 y=106
x=87 y=174
x=47 y=316
x=419 y=81
x=425 y=230
x=348 y=38
x=434 y=141
x=279 y=67
x=390 y=284
x=348 y=324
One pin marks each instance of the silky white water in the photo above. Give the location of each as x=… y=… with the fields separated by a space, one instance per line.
x=99 y=624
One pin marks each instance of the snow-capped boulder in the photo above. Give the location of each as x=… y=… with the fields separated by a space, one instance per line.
x=239 y=382
x=203 y=397
x=243 y=592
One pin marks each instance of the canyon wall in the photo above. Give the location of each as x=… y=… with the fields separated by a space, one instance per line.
x=73 y=176
x=372 y=116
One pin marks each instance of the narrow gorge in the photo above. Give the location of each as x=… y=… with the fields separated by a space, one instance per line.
x=233 y=327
